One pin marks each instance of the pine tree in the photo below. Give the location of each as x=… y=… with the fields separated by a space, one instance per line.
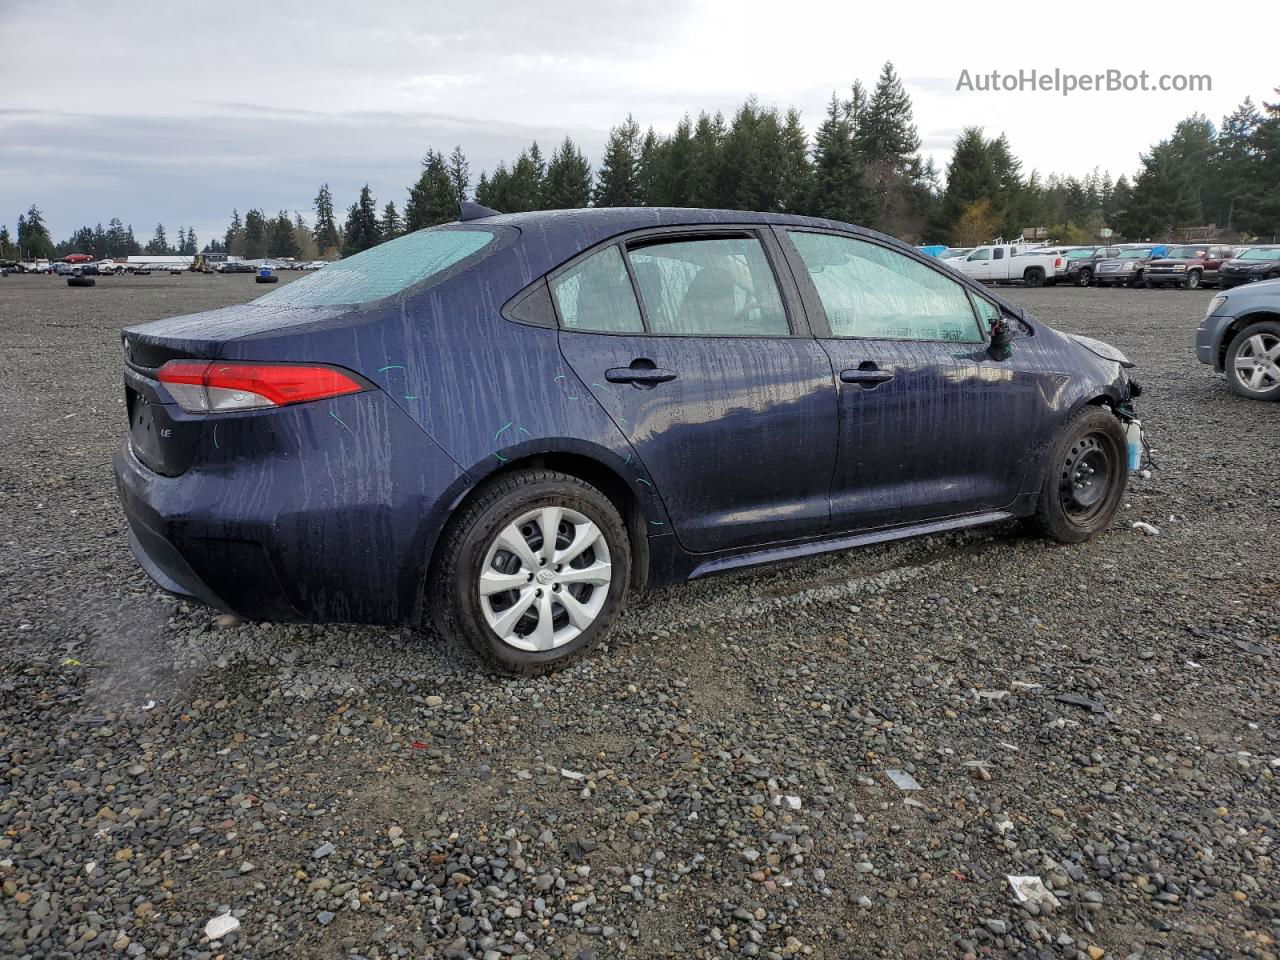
x=361 y=229
x=391 y=226
x=616 y=183
x=302 y=237
x=886 y=137
x=432 y=199
x=1236 y=173
x=839 y=192
x=459 y=173
x=650 y=170
x=568 y=181
x=705 y=161
x=326 y=229
x=524 y=186
x=234 y=239
x=181 y=246
x=158 y=245
x=6 y=243
x=797 y=173
x=256 y=237
x=34 y=241
x=674 y=161
x=281 y=242
x=1168 y=193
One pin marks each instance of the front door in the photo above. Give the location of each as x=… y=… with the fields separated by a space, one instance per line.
x=931 y=426
x=728 y=403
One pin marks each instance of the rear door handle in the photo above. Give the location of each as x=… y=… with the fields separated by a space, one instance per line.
x=647 y=376
x=867 y=377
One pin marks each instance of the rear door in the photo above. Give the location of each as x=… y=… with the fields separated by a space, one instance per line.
x=931 y=426
x=694 y=343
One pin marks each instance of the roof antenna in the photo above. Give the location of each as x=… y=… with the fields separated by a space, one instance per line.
x=474 y=211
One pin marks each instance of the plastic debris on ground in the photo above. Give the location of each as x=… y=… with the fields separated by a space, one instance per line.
x=572 y=774
x=1143 y=527
x=1032 y=890
x=902 y=780
x=1093 y=706
x=220 y=926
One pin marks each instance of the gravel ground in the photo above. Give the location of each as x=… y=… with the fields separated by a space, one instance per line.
x=713 y=783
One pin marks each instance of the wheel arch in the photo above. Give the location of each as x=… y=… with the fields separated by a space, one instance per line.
x=586 y=467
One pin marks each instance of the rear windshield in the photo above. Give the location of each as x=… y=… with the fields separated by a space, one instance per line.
x=1273 y=254
x=382 y=270
x=1137 y=254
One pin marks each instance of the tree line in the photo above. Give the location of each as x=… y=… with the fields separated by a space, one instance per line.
x=862 y=164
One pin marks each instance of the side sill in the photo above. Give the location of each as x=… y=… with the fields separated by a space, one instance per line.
x=794 y=550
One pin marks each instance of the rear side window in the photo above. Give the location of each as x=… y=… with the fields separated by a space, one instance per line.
x=382 y=270
x=595 y=294
x=710 y=287
x=870 y=291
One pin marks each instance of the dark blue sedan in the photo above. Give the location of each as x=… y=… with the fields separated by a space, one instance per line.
x=503 y=425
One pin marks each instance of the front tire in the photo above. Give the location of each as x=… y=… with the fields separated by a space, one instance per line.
x=532 y=572
x=1085 y=479
x=1253 y=361
x=1192 y=281
x=1084 y=278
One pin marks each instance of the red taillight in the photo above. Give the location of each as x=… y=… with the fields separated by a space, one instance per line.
x=203 y=387
x=1057 y=263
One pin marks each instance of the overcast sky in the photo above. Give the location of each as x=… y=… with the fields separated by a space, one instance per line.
x=177 y=113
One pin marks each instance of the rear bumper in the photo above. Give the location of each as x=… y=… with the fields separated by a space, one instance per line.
x=324 y=523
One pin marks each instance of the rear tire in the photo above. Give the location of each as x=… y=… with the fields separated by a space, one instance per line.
x=1034 y=277
x=80 y=281
x=1085 y=479
x=554 y=609
x=1248 y=374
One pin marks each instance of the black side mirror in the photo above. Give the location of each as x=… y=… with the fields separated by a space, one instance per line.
x=1001 y=338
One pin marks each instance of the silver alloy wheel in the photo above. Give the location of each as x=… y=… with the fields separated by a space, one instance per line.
x=1257 y=363
x=545 y=578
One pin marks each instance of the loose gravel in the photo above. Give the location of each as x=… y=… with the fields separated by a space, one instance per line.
x=714 y=782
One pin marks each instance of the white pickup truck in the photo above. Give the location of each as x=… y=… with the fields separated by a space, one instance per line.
x=1012 y=263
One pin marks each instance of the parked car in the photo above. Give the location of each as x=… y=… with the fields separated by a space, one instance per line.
x=505 y=425
x=1082 y=261
x=1253 y=264
x=1240 y=335
x=1188 y=266
x=1002 y=263
x=236 y=266
x=1126 y=268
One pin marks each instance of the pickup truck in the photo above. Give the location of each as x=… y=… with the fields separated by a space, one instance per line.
x=1007 y=263
x=1188 y=266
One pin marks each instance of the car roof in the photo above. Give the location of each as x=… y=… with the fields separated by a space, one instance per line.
x=582 y=228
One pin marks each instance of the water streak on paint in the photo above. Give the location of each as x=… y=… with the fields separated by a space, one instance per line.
x=339 y=419
x=505 y=426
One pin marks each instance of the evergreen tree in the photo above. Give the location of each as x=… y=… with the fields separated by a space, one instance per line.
x=181 y=246
x=704 y=167
x=1236 y=165
x=568 y=182
x=6 y=244
x=616 y=181
x=796 y=174
x=751 y=157
x=673 y=164
x=256 y=235
x=361 y=229
x=459 y=173
x=886 y=137
x=432 y=199
x=391 y=226
x=523 y=189
x=302 y=237
x=234 y=239
x=1168 y=191
x=326 y=229
x=839 y=191
x=650 y=169
x=190 y=247
x=158 y=245
x=484 y=194
x=34 y=241
x=281 y=243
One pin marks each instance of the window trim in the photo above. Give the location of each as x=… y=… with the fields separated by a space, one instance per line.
x=793 y=304
x=813 y=302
